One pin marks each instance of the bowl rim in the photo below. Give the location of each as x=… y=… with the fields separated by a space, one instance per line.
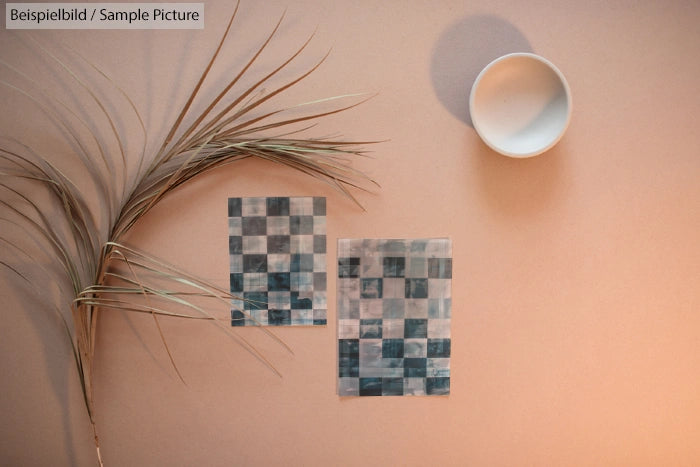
x=560 y=76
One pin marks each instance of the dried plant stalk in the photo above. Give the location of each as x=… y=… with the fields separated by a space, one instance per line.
x=102 y=272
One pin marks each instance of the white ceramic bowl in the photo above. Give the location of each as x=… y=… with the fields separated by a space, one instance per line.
x=520 y=105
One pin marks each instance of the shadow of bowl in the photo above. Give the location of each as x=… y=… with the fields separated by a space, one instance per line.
x=463 y=50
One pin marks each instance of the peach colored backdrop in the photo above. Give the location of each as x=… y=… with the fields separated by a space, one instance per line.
x=576 y=316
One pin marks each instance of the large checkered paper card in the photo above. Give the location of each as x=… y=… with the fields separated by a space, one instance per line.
x=394 y=308
x=277 y=250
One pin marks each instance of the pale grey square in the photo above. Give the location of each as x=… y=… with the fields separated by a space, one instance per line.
x=255 y=281
x=394 y=308
x=302 y=281
x=348 y=329
x=349 y=386
x=392 y=328
x=320 y=300
x=301 y=244
x=235 y=263
x=299 y=206
x=254 y=244
x=394 y=287
x=417 y=308
x=278 y=225
x=278 y=300
x=413 y=386
x=254 y=207
x=234 y=226
x=371 y=309
x=417 y=267
x=278 y=262
x=349 y=308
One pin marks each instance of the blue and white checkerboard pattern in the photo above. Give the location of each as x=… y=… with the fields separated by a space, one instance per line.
x=277 y=248
x=394 y=308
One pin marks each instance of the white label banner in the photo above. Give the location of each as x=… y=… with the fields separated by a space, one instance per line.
x=104 y=15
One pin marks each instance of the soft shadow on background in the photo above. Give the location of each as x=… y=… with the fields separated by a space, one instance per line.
x=521 y=190
x=463 y=50
x=35 y=342
x=514 y=188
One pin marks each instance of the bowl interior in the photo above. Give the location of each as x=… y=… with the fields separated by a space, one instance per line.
x=520 y=105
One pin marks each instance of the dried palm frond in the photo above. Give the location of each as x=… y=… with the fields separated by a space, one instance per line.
x=97 y=269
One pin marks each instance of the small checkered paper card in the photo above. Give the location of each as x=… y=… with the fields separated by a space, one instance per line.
x=394 y=307
x=277 y=251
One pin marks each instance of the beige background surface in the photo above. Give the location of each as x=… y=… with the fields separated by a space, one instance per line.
x=576 y=316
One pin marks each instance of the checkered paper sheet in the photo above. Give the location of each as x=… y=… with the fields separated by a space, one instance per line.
x=277 y=251
x=394 y=308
